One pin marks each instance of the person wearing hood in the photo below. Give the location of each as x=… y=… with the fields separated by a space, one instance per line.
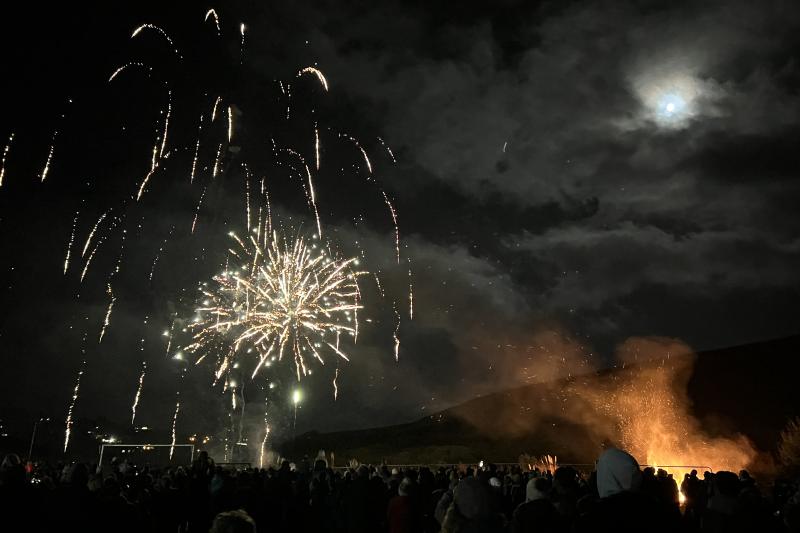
x=623 y=507
x=537 y=513
x=471 y=510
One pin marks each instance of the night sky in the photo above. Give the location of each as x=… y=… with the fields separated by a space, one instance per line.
x=601 y=170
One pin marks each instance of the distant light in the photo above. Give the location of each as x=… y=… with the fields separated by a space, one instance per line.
x=296 y=396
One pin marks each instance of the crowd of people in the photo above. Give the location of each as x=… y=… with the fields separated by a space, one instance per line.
x=310 y=496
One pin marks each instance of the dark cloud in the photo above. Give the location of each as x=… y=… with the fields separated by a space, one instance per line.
x=538 y=182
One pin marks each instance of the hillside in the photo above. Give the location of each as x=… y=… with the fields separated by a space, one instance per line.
x=750 y=389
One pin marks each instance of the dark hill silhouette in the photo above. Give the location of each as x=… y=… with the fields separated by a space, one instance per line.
x=750 y=389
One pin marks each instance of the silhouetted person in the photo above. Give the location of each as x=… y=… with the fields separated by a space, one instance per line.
x=233 y=522
x=623 y=507
x=537 y=513
x=470 y=511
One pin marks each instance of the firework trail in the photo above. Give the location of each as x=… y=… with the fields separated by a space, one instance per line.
x=107 y=320
x=138 y=30
x=310 y=195
x=263 y=442
x=197 y=210
x=320 y=76
x=196 y=150
x=166 y=123
x=153 y=167
x=46 y=169
x=230 y=124
x=247 y=196
x=138 y=391
x=388 y=149
x=217 y=161
x=168 y=334
x=212 y=13
x=91 y=233
x=410 y=292
x=378 y=284
x=287 y=92
x=174 y=425
x=335 y=386
x=316 y=146
x=280 y=296
x=396 y=334
x=71 y=240
x=241 y=44
x=214 y=109
x=291 y=295
x=361 y=148
x=158 y=254
x=99 y=243
x=127 y=66
x=393 y=212
x=5 y=156
x=75 y=392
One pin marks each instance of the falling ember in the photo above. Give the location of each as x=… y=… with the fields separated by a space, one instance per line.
x=5 y=156
x=138 y=392
x=71 y=240
x=318 y=73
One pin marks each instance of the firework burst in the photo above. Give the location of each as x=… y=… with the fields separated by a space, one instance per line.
x=288 y=296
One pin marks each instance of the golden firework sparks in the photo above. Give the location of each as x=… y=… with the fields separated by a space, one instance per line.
x=291 y=296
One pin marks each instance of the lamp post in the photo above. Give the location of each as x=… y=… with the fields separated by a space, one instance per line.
x=296 y=398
